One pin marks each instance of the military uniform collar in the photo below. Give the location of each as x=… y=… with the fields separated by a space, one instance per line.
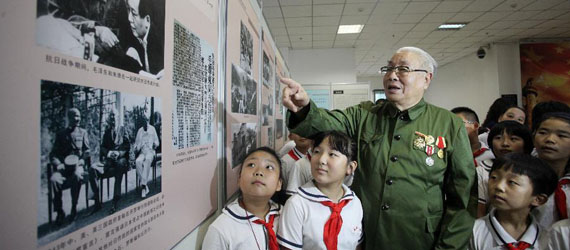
x=409 y=114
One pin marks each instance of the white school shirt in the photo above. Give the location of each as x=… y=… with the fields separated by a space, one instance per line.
x=547 y=214
x=487 y=155
x=488 y=234
x=483 y=139
x=235 y=230
x=301 y=174
x=288 y=164
x=303 y=220
x=559 y=236
x=483 y=180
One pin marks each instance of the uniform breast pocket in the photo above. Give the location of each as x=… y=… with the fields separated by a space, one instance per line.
x=369 y=150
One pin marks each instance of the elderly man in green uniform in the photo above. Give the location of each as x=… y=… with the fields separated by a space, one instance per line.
x=417 y=167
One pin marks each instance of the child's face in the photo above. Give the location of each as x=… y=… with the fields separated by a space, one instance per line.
x=301 y=142
x=259 y=175
x=552 y=140
x=513 y=114
x=329 y=166
x=510 y=191
x=471 y=126
x=505 y=143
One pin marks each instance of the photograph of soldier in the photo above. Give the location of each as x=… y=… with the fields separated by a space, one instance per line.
x=267 y=71
x=244 y=139
x=246 y=49
x=125 y=34
x=88 y=153
x=244 y=92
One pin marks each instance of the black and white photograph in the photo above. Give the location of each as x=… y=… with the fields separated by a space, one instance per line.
x=193 y=82
x=270 y=140
x=267 y=110
x=124 y=34
x=244 y=139
x=244 y=92
x=246 y=49
x=278 y=128
x=278 y=91
x=100 y=152
x=267 y=71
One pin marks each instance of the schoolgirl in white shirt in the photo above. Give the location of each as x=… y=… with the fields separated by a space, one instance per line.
x=250 y=221
x=325 y=213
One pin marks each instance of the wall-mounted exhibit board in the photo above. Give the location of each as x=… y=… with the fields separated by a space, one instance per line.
x=280 y=128
x=345 y=95
x=111 y=140
x=267 y=92
x=242 y=75
x=320 y=94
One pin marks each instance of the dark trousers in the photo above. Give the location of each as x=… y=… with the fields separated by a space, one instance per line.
x=112 y=168
x=72 y=182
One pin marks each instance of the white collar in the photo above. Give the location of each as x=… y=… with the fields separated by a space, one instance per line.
x=310 y=192
x=502 y=237
x=236 y=212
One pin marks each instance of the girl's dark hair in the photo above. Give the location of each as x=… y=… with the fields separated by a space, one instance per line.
x=338 y=141
x=512 y=128
x=497 y=109
x=543 y=179
x=543 y=108
x=269 y=151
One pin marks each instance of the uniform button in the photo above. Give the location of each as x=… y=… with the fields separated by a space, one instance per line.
x=397 y=137
x=385 y=207
x=402 y=117
x=389 y=182
x=394 y=158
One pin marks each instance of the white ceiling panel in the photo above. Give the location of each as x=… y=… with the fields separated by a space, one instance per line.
x=451 y=6
x=387 y=8
x=502 y=25
x=315 y=2
x=272 y=12
x=301 y=38
x=511 y=5
x=267 y=3
x=409 y=18
x=278 y=31
x=426 y=27
x=493 y=16
x=300 y=31
x=326 y=20
x=551 y=14
x=344 y=37
x=343 y=44
x=417 y=34
x=294 y=2
x=275 y=22
x=543 y=4
x=322 y=44
x=324 y=37
x=328 y=10
x=481 y=5
x=477 y=25
x=296 y=11
x=525 y=24
x=522 y=15
x=353 y=19
x=438 y=17
x=325 y=30
x=552 y=24
x=420 y=7
x=358 y=9
x=298 y=21
x=465 y=16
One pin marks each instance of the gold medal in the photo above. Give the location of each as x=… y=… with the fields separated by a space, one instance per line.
x=419 y=143
x=430 y=140
x=440 y=154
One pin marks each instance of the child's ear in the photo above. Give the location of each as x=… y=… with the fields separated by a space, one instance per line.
x=352 y=165
x=279 y=185
x=539 y=200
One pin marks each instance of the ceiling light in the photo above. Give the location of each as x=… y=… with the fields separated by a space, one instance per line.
x=350 y=29
x=451 y=26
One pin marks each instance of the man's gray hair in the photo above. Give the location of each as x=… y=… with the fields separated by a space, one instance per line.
x=427 y=60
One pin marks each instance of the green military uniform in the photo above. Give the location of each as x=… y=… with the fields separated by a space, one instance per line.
x=409 y=201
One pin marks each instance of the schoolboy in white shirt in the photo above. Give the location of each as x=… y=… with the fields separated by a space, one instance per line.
x=325 y=213
x=559 y=236
x=517 y=184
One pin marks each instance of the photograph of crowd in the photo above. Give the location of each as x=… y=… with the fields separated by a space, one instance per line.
x=270 y=139
x=267 y=110
x=125 y=34
x=267 y=71
x=246 y=49
x=244 y=139
x=100 y=152
x=244 y=92
x=278 y=129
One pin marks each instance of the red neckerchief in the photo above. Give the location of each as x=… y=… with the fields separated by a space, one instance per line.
x=478 y=153
x=560 y=199
x=521 y=246
x=333 y=224
x=269 y=227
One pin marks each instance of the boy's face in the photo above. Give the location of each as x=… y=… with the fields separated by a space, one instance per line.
x=328 y=166
x=513 y=114
x=510 y=191
x=552 y=140
x=505 y=143
x=259 y=175
x=301 y=142
x=472 y=127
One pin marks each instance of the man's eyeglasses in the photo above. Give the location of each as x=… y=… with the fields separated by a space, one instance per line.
x=468 y=122
x=399 y=70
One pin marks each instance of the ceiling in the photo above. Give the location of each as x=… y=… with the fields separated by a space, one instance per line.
x=391 y=24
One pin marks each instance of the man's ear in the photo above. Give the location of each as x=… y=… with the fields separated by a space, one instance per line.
x=428 y=78
x=147 y=19
x=539 y=200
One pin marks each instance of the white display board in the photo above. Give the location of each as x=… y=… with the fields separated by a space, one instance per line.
x=345 y=95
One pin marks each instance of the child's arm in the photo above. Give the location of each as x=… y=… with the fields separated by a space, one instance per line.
x=214 y=240
x=290 y=232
